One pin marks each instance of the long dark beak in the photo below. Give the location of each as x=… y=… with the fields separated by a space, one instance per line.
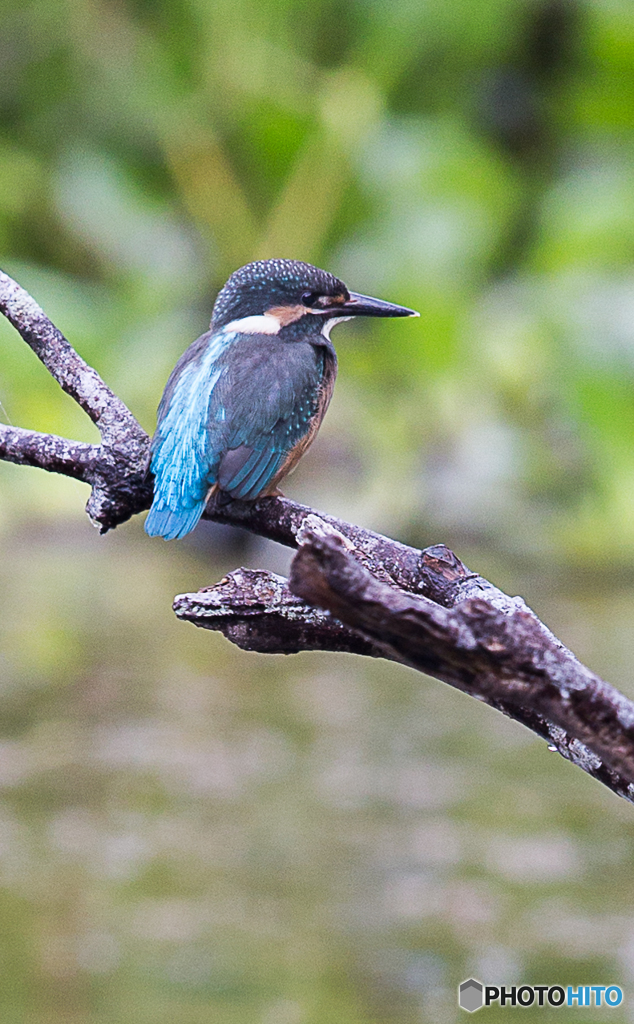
x=364 y=305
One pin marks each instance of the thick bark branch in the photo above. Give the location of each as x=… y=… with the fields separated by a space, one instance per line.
x=505 y=658
x=500 y=657
x=350 y=590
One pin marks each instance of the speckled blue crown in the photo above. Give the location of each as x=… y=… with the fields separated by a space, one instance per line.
x=258 y=286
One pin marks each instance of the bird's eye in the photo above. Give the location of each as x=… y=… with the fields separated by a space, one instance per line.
x=310 y=298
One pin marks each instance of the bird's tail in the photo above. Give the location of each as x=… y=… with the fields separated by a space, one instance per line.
x=172 y=524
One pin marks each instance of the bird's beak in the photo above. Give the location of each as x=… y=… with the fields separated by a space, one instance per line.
x=364 y=305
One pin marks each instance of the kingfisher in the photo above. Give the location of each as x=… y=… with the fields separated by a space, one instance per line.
x=246 y=399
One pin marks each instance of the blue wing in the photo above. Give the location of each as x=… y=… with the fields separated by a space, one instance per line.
x=180 y=458
x=234 y=408
x=271 y=394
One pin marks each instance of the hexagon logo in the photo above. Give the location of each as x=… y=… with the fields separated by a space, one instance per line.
x=470 y=995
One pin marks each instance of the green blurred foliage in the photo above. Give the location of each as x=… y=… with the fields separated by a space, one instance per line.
x=475 y=161
x=305 y=845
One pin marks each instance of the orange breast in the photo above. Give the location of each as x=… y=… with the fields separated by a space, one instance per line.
x=325 y=394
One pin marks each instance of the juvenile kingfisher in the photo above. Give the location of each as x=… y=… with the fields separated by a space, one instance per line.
x=247 y=398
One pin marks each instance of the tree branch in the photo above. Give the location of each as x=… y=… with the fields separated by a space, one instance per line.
x=117 y=475
x=257 y=611
x=47 y=451
x=350 y=589
x=75 y=377
x=503 y=656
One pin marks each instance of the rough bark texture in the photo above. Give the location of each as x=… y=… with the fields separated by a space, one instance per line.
x=118 y=467
x=350 y=589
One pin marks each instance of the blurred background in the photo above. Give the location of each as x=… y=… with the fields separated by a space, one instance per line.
x=189 y=833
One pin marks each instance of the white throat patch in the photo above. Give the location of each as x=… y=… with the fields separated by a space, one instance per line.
x=264 y=324
x=329 y=324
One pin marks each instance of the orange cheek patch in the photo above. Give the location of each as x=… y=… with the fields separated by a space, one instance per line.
x=288 y=314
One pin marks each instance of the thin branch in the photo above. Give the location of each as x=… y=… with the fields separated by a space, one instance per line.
x=118 y=468
x=435 y=571
x=279 y=519
x=74 y=376
x=48 y=451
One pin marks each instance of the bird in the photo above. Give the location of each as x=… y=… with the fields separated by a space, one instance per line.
x=246 y=399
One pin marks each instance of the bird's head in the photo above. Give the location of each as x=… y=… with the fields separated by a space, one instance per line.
x=270 y=296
